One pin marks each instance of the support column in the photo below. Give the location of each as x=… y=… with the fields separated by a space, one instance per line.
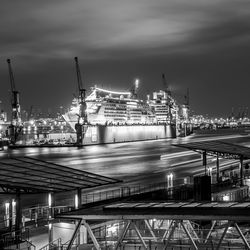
x=50 y=202
x=18 y=211
x=50 y=231
x=8 y=214
x=217 y=169
x=189 y=236
x=11 y=221
x=241 y=170
x=204 y=160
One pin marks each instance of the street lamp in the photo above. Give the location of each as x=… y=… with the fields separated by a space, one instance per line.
x=170 y=180
x=209 y=170
x=76 y=201
x=210 y=173
x=49 y=200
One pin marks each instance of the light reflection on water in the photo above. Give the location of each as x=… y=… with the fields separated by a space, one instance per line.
x=120 y=160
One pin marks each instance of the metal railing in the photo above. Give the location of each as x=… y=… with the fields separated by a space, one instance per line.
x=64 y=246
x=35 y=214
x=15 y=238
x=180 y=192
x=122 y=192
x=54 y=245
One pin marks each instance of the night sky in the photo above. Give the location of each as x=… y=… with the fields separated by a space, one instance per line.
x=203 y=45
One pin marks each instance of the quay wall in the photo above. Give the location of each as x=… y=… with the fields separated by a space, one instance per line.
x=101 y=134
x=109 y=134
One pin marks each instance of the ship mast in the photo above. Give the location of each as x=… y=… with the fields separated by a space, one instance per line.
x=81 y=125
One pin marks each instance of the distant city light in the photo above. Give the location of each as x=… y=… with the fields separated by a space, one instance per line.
x=137 y=83
x=226 y=197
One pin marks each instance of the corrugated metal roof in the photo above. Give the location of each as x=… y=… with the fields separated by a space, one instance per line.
x=216 y=147
x=33 y=175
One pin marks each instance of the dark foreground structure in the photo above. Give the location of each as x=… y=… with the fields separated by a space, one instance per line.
x=159 y=216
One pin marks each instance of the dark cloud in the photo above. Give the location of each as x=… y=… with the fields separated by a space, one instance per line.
x=203 y=45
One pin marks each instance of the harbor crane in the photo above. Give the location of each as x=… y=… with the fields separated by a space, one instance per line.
x=30 y=113
x=186 y=97
x=15 y=127
x=82 y=123
x=166 y=85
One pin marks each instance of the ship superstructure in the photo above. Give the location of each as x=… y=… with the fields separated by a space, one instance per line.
x=107 y=107
x=164 y=107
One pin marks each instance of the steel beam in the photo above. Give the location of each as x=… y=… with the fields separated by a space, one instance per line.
x=74 y=234
x=137 y=216
x=171 y=232
x=167 y=230
x=124 y=232
x=223 y=235
x=92 y=236
x=139 y=234
x=242 y=235
x=210 y=231
x=161 y=223
x=189 y=235
x=195 y=234
x=150 y=229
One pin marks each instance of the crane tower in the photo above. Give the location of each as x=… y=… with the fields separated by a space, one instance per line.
x=15 y=126
x=81 y=125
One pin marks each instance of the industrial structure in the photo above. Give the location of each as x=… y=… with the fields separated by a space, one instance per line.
x=81 y=125
x=155 y=216
x=15 y=127
x=102 y=116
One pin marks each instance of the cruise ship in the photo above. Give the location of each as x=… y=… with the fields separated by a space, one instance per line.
x=112 y=116
x=106 y=107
